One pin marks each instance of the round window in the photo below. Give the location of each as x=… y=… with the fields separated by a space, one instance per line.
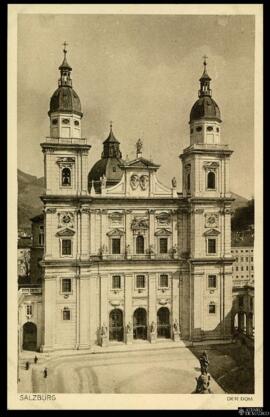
x=65 y=121
x=217 y=129
x=54 y=121
x=209 y=128
x=198 y=129
x=76 y=122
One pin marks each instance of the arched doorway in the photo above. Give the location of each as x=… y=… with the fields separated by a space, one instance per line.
x=163 y=323
x=116 y=325
x=29 y=336
x=140 y=324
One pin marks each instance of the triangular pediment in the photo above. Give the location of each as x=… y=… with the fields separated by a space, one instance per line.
x=163 y=232
x=116 y=232
x=141 y=163
x=211 y=232
x=65 y=232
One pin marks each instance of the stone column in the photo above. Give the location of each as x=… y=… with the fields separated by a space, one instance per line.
x=77 y=282
x=85 y=233
x=175 y=316
x=49 y=232
x=128 y=313
x=84 y=335
x=104 y=319
x=84 y=176
x=197 y=305
x=129 y=235
x=151 y=238
x=93 y=309
x=152 y=309
x=104 y=230
x=92 y=232
x=174 y=230
x=78 y=237
x=49 y=305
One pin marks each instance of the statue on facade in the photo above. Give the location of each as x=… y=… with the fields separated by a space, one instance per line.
x=104 y=330
x=139 y=146
x=176 y=326
x=153 y=327
x=103 y=181
x=129 y=327
x=174 y=183
x=127 y=249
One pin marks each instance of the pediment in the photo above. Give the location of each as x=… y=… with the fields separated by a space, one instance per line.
x=65 y=232
x=116 y=232
x=211 y=232
x=141 y=163
x=163 y=232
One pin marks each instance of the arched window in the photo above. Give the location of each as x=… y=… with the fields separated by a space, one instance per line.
x=211 y=180
x=188 y=181
x=66 y=177
x=140 y=244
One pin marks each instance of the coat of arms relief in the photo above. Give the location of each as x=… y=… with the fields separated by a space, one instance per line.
x=139 y=180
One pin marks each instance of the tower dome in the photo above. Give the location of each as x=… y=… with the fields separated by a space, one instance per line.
x=204 y=117
x=205 y=107
x=108 y=166
x=65 y=99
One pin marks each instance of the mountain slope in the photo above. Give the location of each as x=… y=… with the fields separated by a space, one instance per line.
x=29 y=204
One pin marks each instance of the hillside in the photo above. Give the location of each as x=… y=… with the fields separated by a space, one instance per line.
x=239 y=201
x=29 y=203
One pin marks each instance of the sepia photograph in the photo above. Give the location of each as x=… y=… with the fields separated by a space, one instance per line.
x=136 y=249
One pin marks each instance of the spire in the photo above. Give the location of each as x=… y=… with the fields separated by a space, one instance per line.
x=65 y=70
x=111 y=146
x=205 y=81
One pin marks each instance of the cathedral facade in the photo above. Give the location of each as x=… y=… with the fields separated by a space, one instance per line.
x=127 y=258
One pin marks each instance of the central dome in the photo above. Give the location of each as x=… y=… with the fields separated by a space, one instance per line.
x=108 y=165
x=205 y=108
x=65 y=99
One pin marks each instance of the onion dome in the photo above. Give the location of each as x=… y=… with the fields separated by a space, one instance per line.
x=205 y=107
x=109 y=164
x=65 y=99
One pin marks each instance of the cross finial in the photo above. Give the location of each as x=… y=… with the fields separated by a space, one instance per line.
x=205 y=57
x=111 y=123
x=65 y=44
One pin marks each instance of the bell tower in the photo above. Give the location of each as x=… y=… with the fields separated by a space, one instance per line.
x=205 y=173
x=65 y=151
x=205 y=169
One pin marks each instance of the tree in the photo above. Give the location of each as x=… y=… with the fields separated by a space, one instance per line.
x=243 y=217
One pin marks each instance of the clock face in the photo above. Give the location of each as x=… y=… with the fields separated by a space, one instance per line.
x=66 y=219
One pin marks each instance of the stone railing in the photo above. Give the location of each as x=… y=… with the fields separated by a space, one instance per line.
x=71 y=141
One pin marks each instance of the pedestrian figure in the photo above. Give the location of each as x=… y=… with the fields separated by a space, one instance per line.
x=45 y=372
x=203 y=384
x=27 y=364
x=35 y=359
x=204 y=362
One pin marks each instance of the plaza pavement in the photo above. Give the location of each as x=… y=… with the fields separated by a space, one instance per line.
x=148 y=369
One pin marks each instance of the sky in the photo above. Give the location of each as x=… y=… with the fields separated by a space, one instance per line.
x=141 y=72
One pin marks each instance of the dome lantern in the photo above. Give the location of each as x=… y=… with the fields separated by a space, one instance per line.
x=205 y=114
x=65 y=107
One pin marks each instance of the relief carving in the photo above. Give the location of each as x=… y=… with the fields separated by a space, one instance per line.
x=211 y=220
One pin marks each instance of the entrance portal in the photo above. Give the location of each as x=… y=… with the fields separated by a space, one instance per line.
x=116 y=325
x=163 y=323
x=29 y=336
x=139 y=324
